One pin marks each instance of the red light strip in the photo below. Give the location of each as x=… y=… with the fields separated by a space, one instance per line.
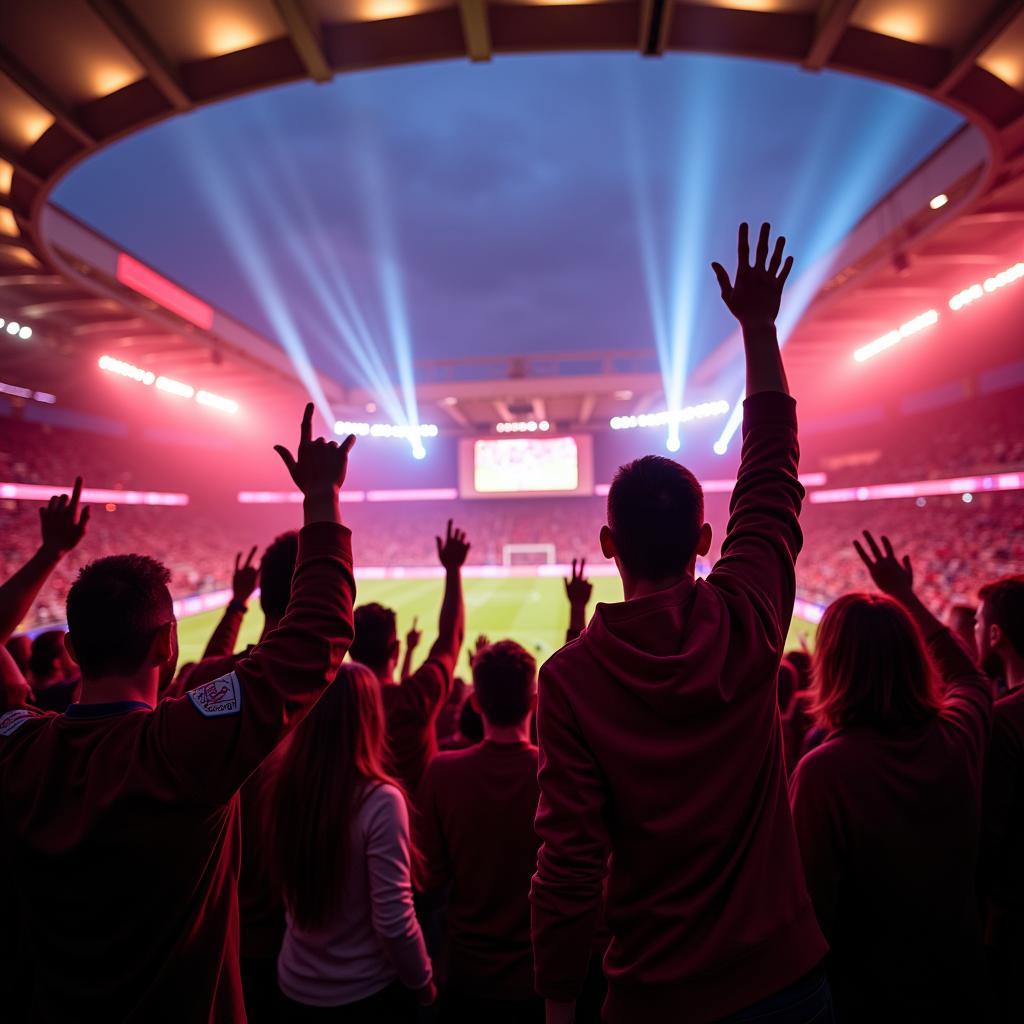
x=148 y=282
x=726 y=486
x=43 y=492
x=294 y=498
x=921 y=488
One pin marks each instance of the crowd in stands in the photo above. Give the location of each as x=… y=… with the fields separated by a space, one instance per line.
x=670 y=820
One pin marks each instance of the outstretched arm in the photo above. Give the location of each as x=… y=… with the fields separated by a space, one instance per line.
x=243 y=583
x=412 y=641
x=63 y=525
x=763 y=537
x=968 y=692
x=578 y=590
x=220 y=732
x=451 y=553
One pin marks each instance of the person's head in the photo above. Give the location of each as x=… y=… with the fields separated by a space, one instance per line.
x=376 y=640
x=963 y=621
x=471 y=723
x=656 y=525
x=504 y=683
x=20 y=649
x=337 y=751
x=48 y=660
x=871 y=666
x=999 y=633
x=276 y=570
x=121 y=619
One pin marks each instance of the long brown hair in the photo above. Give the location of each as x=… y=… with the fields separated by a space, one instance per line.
x=871 y=666
x=334 y=759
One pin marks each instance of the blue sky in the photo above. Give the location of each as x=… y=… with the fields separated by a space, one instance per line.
x=529 y=204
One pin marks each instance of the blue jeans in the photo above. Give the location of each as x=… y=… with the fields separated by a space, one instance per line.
x=809 y=1001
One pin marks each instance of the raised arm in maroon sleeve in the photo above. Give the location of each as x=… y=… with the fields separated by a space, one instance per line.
x=63 y=526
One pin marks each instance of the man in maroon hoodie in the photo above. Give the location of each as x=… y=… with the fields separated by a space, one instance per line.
x=660 y=740
x=120 y=817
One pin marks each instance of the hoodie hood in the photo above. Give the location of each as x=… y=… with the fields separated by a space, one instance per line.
x=669 y=648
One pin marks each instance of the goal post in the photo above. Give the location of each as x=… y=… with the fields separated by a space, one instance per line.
x=527 y=554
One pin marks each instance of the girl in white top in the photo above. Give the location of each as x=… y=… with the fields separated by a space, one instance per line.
x=341 y=852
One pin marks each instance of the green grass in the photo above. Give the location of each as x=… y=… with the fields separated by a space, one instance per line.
x=532 y=611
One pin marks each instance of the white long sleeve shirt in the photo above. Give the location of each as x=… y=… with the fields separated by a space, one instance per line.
x=374 y=937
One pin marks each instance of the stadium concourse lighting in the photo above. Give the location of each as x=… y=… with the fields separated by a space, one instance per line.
x=660 y=419
x=991 y=284
x=421 y=430
x=894 y=337
x=36 y=396
x=522 y=426
x=12 y=327
x=166 y=384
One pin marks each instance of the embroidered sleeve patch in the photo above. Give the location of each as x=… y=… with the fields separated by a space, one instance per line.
x=14 y=720
x=219 y=697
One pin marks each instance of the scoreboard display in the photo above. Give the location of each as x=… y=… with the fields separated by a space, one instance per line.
x=525 y=466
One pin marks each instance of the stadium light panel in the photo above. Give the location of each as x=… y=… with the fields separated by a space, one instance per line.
x=13 y=327
x=919 y=323
x=991 y=284
x=166 y=384
x=522 y=426
x=687 y=414
x=939 y=201
x=25 y=333
x=402 y=430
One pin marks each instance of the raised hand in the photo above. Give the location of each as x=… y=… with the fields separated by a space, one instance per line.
x=452 y=551
x=891 y=576
x=63 y=525
x=245 y=578
x=412 y=638
x=482 y=643
x=318 y=467
x=755 y=295
x=577 y=587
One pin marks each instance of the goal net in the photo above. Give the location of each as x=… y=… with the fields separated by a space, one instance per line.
x=528 y=554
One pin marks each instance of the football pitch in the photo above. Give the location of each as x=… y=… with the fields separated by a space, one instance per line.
x=532 y=611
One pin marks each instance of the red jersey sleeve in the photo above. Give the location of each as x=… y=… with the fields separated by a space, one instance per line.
x=566 y=893
x=763 y=537
x=217 y=734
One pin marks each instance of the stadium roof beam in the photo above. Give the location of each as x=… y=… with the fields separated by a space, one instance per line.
x=503 y=411
x=123 y=23
x=989 y=31
x=305 y=39
x=540 y=411
x=832 y=19
x=476 y=29
x=455 y=413
x=32 y=87
x=655 y=20
x=18 y=164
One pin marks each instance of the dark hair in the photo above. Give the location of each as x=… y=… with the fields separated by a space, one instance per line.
x=115 y=607
x=871 y=666
x=20 y=649
x=471 y=725
x=276 y=570
x=376 y=631
x=46 y=649
x=504 y=680
x=1004 y=605
x=333 y=761
x=655 y=512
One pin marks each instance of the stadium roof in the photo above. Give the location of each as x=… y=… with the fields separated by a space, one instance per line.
x=75 y=76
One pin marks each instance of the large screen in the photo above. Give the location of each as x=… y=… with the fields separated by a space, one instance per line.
x=525 y=466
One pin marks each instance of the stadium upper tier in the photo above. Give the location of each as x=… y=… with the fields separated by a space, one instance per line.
x=74 y=77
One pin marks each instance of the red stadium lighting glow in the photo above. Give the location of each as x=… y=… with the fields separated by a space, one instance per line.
x=145 y=281
x=216 y=401
x=295 y=498
x=911 y=327
x=963 y=486
x=44 y=492
x=166 y=384
x=175 y=387
x=991 y=284
x=423 y=494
